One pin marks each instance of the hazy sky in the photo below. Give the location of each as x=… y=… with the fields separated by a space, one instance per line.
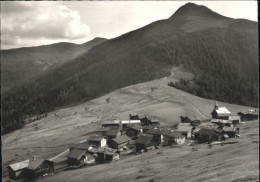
x=37 y=23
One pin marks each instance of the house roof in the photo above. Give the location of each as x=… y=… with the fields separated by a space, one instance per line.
x=143 y=139
x=19 y=165
x=76 y=154
x=185 y=128
x=208 y=125
x=232 y=129
x=83 y=146
x=222 y=111
x=96 y=138
x=101 y=130
x=221 y=121
x=234 y=118
x=173 y=134
x=105 y=150
x=154 y=121
x=184 y=124
x=206 y=131
x=73 y=145
x=154 y=131
x=130 y=121
x=112 y=132
x=111 y=122
x=136 y=127
x=34 y=164
x=121 y=139
x=147 y=127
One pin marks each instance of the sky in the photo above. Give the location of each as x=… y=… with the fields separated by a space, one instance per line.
x=33 y=23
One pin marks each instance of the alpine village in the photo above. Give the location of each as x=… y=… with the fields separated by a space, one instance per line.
x=134 y=136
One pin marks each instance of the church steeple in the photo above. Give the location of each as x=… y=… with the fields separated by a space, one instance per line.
x=216 y=106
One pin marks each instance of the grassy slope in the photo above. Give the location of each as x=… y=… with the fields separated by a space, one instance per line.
x=50 y=136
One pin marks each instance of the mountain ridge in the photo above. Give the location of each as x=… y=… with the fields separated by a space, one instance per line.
x=222 y=56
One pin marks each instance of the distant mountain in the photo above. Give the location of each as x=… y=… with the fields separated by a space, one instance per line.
x=19 y=65
x=221 y=53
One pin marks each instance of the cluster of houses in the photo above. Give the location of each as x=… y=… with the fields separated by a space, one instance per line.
x=138 y=134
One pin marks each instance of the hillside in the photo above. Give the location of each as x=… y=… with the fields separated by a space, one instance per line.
x=221 y=53
x=52 y=135
x=21 y=64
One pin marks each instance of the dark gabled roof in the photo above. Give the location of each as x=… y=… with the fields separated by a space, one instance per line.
x=34 y=164
x=136 y=127
x=112 y=132
x=83 y=146
x=206 y=131
x=121 y=139
x=155 y=132
x=173 y=134
x=73 y=145
x=143 y=139
x=147 y=127
x=96 y=138
x=76 y=154
x=101 y=130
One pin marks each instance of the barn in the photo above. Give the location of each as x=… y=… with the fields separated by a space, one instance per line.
x=113 y=133
x=193 y=120
x=105 y=155
x=112 y=124
x=157 y=135
x=18 y=170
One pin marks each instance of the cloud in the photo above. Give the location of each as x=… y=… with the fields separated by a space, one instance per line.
x=34 y=23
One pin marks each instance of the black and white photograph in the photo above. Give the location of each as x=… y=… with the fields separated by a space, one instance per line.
x=132 y=91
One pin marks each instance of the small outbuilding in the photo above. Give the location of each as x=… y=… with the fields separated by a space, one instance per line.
x=18 y=170
x=231 y=131
x=120 y=141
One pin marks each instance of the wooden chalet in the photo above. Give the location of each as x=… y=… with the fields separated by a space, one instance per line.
x=18 y=170
x=186 y=129
x=231 y=131
x=143 y=142
x=97 y=140
x=113 y=133
x=128 y=123
x=208 y=135
x=134 y=130
x=248 y=116
x=157 y=135
x=235 y=120
x=220 y=112
x=120 y=141
x=147 y=128
x=171 y=137
x=134 y=117
x=104 y=155
x=79 y=157
x=38 y=168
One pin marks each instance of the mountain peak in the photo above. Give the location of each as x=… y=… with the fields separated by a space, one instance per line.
x=192 y=9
